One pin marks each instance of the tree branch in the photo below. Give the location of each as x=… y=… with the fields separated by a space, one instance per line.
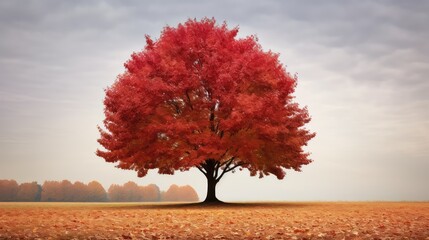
x=224 y=170
x=237 y=165
x=189 y=100
x=217 y=166
x=211 y=118
x=174 y=104
x=223 y=155
x=201 y=170
x=217 y=127
x=227 y=162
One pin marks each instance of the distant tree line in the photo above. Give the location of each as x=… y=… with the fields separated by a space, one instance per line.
x=65 y=191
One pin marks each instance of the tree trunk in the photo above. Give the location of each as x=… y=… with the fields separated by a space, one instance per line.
x=210 y=167
x=211 y=190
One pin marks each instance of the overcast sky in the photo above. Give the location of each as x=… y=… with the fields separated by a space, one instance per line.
x=363 y=70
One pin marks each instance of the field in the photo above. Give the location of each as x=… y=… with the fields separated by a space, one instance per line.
x=303 y=220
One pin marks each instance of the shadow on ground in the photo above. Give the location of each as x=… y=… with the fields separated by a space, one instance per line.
x=221 y=205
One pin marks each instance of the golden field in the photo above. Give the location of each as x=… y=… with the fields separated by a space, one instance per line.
x=270 y=220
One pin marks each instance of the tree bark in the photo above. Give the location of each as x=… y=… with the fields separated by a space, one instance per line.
x=211 y=170
x=211 y=190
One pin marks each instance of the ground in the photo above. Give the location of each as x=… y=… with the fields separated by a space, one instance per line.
x=285 y=220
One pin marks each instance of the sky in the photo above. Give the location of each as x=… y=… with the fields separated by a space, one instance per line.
x=363 y=70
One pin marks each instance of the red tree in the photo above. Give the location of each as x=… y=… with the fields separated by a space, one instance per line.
x=200 y=97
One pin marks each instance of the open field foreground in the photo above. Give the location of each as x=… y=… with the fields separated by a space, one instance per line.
x=377 y=220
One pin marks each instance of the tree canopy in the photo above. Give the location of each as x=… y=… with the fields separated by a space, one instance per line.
x=201 y=97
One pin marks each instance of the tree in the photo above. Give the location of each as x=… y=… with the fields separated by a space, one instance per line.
x=96 y=192
x=28 y=192
x=115 y=193
x=132 y=192
x=51 y=192
x=199 y=97
x=79 y=192
x=172 y=194
x=8 y=190
x=187 y=194
x=129 y=192
x=180 y=194
x=54 y=191
x=67 y=191
x=150 y=193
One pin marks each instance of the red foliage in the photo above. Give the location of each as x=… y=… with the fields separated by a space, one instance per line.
x=198 y=93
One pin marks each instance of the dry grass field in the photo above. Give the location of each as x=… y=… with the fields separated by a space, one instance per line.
x=303 y=220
